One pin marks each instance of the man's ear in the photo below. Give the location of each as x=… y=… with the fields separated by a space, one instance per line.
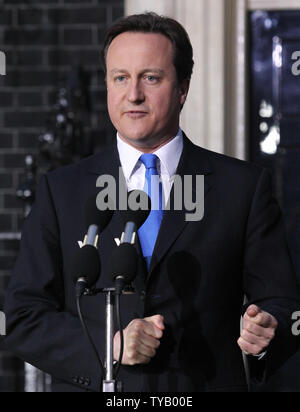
x=183 y=90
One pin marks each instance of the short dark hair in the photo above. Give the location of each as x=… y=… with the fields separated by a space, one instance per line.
x=153 y=23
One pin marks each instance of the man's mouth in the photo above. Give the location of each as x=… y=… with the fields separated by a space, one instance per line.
x=135 y=114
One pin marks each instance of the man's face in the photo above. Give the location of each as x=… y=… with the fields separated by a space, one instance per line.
x=144 y=97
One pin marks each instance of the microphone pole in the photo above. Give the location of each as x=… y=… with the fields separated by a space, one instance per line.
x=122 y=268
x=109 y=383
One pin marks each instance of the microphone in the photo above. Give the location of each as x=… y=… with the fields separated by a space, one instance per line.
x=86 y=268
x=123 y=266
x=137 y=213
x=86 y=271
x=96 y=220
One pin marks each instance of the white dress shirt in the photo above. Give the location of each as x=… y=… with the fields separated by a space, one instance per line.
x=134 y=170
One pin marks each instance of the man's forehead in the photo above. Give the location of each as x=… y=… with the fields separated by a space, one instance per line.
x=136 y=39
x=135 y=52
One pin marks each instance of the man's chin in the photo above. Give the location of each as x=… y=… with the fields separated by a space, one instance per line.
x=136 y=140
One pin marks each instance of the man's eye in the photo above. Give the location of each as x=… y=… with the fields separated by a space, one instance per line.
x=152 y=79
x=120 y=79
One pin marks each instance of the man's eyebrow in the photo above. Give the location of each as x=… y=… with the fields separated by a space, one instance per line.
x=154 y=70
x=115 y=71
x=147 y=70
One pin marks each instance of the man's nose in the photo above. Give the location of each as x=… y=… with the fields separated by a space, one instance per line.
x=135 y=93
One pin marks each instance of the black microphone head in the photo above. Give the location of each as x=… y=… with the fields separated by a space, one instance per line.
x=95 y=214
x=123 y=263
x=139 y=207
x=86 y=264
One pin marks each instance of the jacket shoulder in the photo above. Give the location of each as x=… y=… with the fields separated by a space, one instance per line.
x=91 y=163
x=231 y=162
x=229 y=166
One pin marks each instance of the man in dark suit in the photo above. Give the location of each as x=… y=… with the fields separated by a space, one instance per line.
x=183 y=322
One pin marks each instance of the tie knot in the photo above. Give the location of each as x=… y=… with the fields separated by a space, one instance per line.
x=149 y=160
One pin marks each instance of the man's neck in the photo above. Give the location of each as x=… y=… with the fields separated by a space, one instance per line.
x=148 y=148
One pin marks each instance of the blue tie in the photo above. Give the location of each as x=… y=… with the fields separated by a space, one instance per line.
x=149 y=230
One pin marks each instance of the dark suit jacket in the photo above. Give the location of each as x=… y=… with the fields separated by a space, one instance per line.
x=199 y=274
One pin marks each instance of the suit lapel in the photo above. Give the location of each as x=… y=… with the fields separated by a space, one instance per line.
x=193 y=162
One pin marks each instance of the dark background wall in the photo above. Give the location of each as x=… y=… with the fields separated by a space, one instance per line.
x=43 y=40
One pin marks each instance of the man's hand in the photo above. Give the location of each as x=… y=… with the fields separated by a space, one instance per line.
x=141 y=340
x=258 y=331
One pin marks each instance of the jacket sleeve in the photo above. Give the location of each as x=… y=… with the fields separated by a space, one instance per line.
x=39 y=330
x=269 y=275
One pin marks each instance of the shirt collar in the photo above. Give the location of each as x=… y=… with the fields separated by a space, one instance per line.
x=169 y=156
x=129 y=157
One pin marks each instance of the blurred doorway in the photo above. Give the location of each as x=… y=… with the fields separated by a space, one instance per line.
x=275 y=110
x=274 y=120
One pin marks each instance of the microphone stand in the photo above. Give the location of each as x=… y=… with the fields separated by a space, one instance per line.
x=109 y=383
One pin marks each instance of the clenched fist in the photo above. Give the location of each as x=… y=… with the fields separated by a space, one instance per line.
x=141 y=340
x=258 y=331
